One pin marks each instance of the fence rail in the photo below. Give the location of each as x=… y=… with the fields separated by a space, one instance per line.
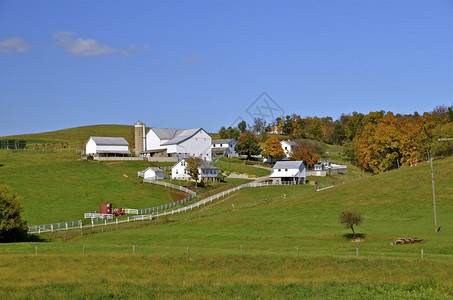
x=158 y=211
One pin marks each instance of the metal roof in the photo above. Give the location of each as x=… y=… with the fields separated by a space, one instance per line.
x=288 y=164
x=109 y=141
x=221 y=141
x=173 y=135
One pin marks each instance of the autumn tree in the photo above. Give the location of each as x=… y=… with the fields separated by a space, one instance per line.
x=445 y=147
x=349 y=219
x=273 y=149
x=306 y=154
x=193 y=164
x=12 y=227
x=247 y=145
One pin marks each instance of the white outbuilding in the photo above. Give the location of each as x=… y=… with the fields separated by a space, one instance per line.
x=223 y=148
x=288 y=171
x=288 y=147
x=153 y=173
x=107 y=146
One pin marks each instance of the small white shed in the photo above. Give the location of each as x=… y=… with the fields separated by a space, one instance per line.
x=153 y=173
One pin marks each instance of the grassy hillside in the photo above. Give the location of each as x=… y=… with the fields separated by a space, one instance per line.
x=58 y=187
x=269 y=223
x=78 y=136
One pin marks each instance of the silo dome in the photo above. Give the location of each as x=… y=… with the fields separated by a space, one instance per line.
x=139 y=123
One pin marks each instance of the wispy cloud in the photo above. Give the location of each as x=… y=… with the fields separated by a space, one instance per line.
x=69 y=41
x=81 y=47
x=14 y=44
x=133 y=49
x=191 y=59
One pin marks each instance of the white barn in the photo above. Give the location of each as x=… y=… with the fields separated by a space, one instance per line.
x=107 y=146
x=289 y=171
x=223 y=148
x=153 y=173
x=208 y=173
x=178 y=143
x=288 y=147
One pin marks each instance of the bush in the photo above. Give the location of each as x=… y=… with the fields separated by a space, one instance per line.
x=12 y=227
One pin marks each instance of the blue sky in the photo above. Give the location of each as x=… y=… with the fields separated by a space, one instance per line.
x=190 y=64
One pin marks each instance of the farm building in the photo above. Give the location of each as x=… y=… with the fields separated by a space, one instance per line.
x=288 y=147
x=288 y=171
x=170 y=142
x=208 y=173
x=153 y=173
x=327 y=168
x=223 y=148
x=107 y=146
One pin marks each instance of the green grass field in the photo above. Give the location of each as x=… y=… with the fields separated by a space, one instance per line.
x=59 y=187
x=269 y=224
x=237 y=165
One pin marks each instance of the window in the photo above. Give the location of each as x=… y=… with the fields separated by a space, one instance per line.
x=279 y=170
x=176 y=172
x=286 y=148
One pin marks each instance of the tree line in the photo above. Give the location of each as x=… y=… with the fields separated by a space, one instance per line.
x=377 y=141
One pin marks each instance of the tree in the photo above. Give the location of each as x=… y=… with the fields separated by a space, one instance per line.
x=272 y=148
x=349 y=219
x=12 y=227
x=242 y=126
x=192 y=167
x=259 y=125
x=247 y=145
x=306 y=154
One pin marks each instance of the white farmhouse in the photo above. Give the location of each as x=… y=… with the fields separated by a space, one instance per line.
x=223 y=148
x=208 y=173
x=288 y=147
x=288 y=171
x=153 y=173
x=107 y=146
x=177 y=143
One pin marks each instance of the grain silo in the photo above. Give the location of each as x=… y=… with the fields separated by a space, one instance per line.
x=140 y=143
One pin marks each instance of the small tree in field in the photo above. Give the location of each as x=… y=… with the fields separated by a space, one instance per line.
x=12 y=227
x=349 y=219
x=247 y=145
x=193 y=163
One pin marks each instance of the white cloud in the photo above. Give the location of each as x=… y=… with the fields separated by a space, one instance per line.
x=14 y=44
x=77 y=46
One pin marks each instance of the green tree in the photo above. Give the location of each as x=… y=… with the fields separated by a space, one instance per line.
x=192 y=167
x=12 y=227
x=349 y=219
x=272 y=148
x=247 y=145
x=242 y=126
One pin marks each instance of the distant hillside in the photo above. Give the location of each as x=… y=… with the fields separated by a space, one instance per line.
x=78 y=136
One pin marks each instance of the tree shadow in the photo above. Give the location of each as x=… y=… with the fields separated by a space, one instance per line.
x=36 y=239
x=350 y=236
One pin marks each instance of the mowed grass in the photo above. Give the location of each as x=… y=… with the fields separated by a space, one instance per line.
x=59 y=187
x=268 y=223
x=237 y=165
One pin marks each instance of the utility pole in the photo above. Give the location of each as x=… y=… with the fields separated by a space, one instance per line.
x=434 y=194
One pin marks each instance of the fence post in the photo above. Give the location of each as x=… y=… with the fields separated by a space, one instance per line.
x=133 y=249
x=83 y=249
x=241 y=250
x=36 y=250
x=297 y=247
x=188 y=253
x=422 y=254
x=357 y=252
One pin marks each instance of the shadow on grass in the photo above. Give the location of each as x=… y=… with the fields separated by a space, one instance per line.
x=37 y=239
x=350 y=236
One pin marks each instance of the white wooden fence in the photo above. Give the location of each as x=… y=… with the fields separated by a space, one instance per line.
x=158 y=211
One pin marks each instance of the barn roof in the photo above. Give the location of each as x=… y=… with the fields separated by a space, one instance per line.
x=109 y=141
x=173 y=135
